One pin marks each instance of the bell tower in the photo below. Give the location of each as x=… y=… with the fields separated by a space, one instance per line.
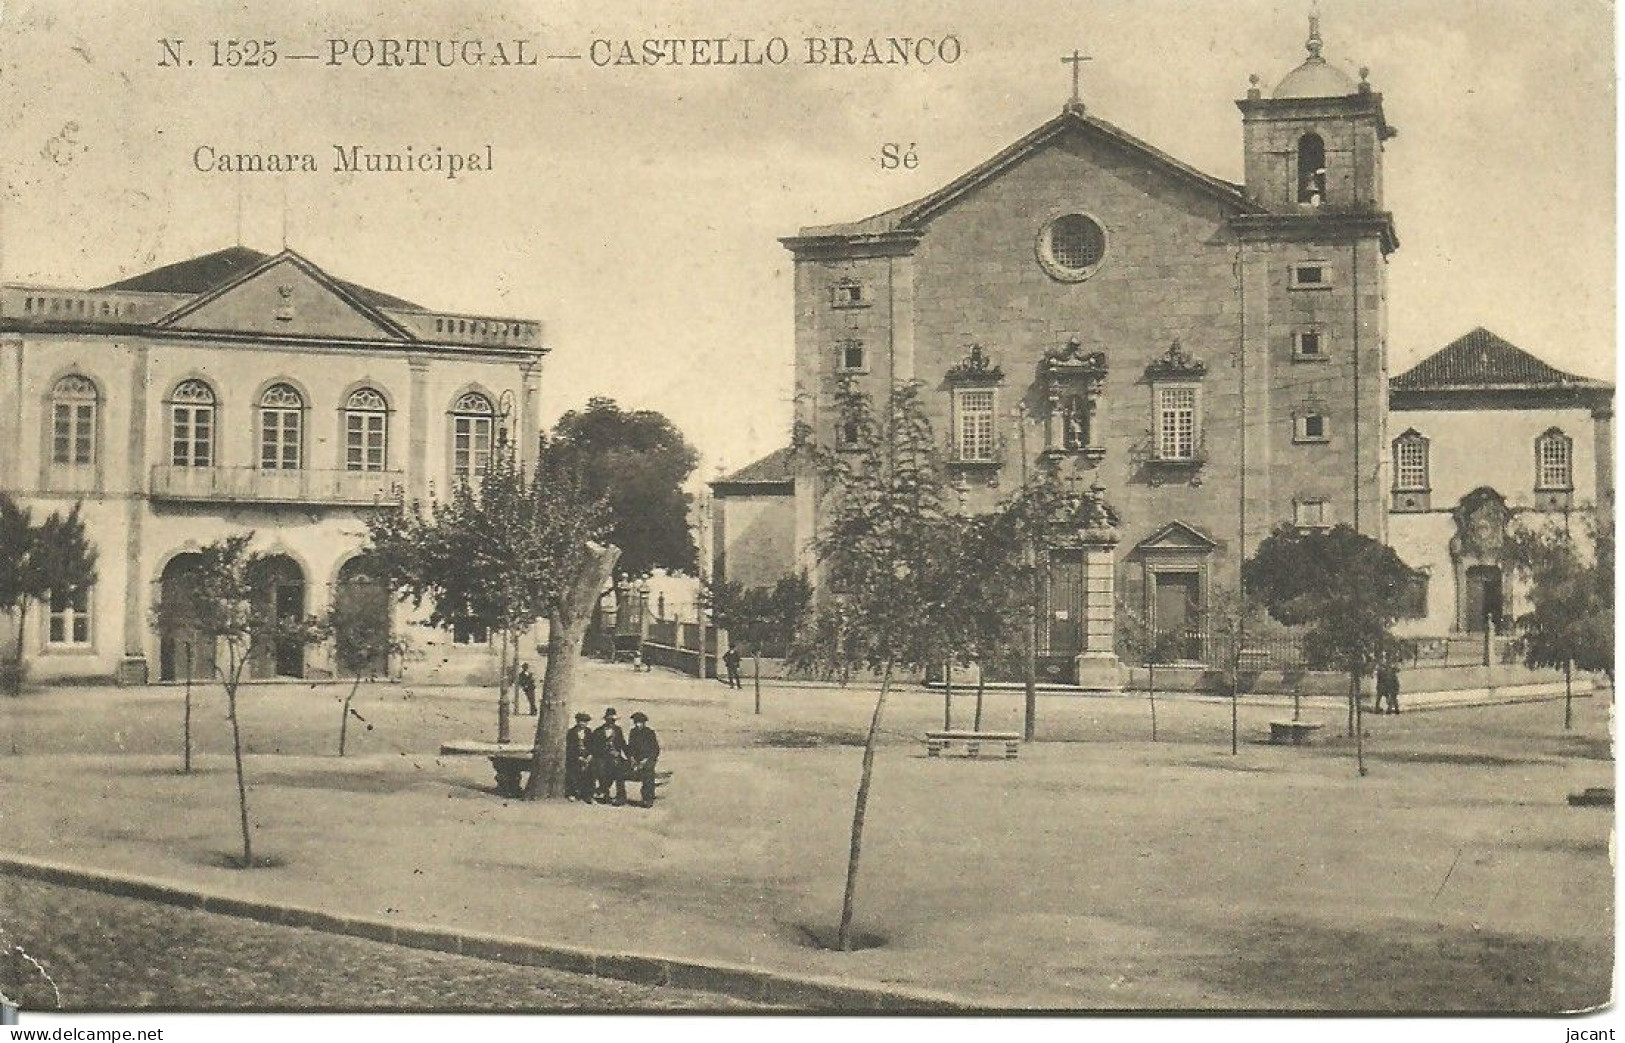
x=1316 y=143
x=1313 y=259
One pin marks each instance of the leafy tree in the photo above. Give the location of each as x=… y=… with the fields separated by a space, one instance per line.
x=758 y=616
x=637 y=462
x=477 y=558
x=1345 y=589
x=51 y=560
x=880 y=555
x=230 y=601
x=1570 y=622
x=506 y=550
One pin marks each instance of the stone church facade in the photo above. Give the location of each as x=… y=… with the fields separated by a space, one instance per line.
x=237 y=392
x=1210 y=356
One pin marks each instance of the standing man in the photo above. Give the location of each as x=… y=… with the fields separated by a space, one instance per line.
x=644 y=747
x=578 y=760
x=608 y=760
x=1387 y=687
x=730 y=659
x=527 y=684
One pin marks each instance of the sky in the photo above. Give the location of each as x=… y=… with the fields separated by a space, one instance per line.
x=636 y=211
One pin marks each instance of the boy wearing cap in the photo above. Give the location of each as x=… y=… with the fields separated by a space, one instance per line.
x=608 y=758
x=578 y=760
x=644 y=747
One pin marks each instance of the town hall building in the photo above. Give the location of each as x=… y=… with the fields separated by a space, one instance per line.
x=244 y=392
x=1209 y=357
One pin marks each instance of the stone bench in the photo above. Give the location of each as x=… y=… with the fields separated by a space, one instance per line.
x=511 y=761
x=936 y=743
x=1292 y=733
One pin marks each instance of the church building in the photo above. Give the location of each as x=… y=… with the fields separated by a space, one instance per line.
x=1209 y=357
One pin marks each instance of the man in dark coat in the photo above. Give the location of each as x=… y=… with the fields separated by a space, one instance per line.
x=644 y=748
x=1387 y=687
x=578 y=760
x=609 y=760
x=730 y=659
x=526 y=681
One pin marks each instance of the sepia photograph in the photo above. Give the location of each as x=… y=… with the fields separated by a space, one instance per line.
x=534 y=507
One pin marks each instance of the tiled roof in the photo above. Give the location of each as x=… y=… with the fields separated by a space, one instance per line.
x=204 y=273
x=1480 y=359
x=771 y=469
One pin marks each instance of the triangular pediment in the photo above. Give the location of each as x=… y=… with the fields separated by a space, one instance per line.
x=285 y=296
x=1176 y=536
x=1072 y=122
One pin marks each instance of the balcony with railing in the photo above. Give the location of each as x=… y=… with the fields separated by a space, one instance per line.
x=49 y=306
x=253 y=485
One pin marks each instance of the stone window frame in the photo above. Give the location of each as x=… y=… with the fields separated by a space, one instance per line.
x=849 y=292
x=475 y=407
x=69 y=617
x=1294 y=280
x=185 y=395
x=274 y=399
x=841 y=349
x=351 y=408
x=1407 y=439
x=1043 y=246
x=1324 y=503
x=71 y=395
x=960 y=416
x=1555 y=438
x=1323 y=338
x=1160 y=414
x=1300 y=425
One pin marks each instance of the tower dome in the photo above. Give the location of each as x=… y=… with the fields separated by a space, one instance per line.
x=1315 y=78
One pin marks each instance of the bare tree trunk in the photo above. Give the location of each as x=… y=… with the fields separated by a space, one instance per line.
x=567 y=627
x=17 y=660
x=1353 y=698
x=344 y=717
x=981 y=686
x=1357 y=708
x=1568 y=695
x=756 y=674
x=947 y=695
x=237 y=758
x=1151 y=682
x=504 y=715
x=859 y=810
x=186 y=717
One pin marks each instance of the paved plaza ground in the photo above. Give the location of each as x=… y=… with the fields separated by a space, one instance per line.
x=1099 y=871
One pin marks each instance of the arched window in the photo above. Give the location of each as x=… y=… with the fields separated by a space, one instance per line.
x=191 y=414
x=366 y=431
x=73 y=421
x=1411 y=462
x=282 y=414
x=1554 y=461
x=471 y=424
x=1311 y=170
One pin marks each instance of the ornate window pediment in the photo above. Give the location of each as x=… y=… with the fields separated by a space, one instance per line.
x=975 y=370
x=1175 y=364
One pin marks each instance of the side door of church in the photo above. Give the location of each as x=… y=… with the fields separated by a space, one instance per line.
x=1065 y=603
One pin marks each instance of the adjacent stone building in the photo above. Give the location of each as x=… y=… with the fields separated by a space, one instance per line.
x=1488 y=439
x=241 y=391
x=1210 y=355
